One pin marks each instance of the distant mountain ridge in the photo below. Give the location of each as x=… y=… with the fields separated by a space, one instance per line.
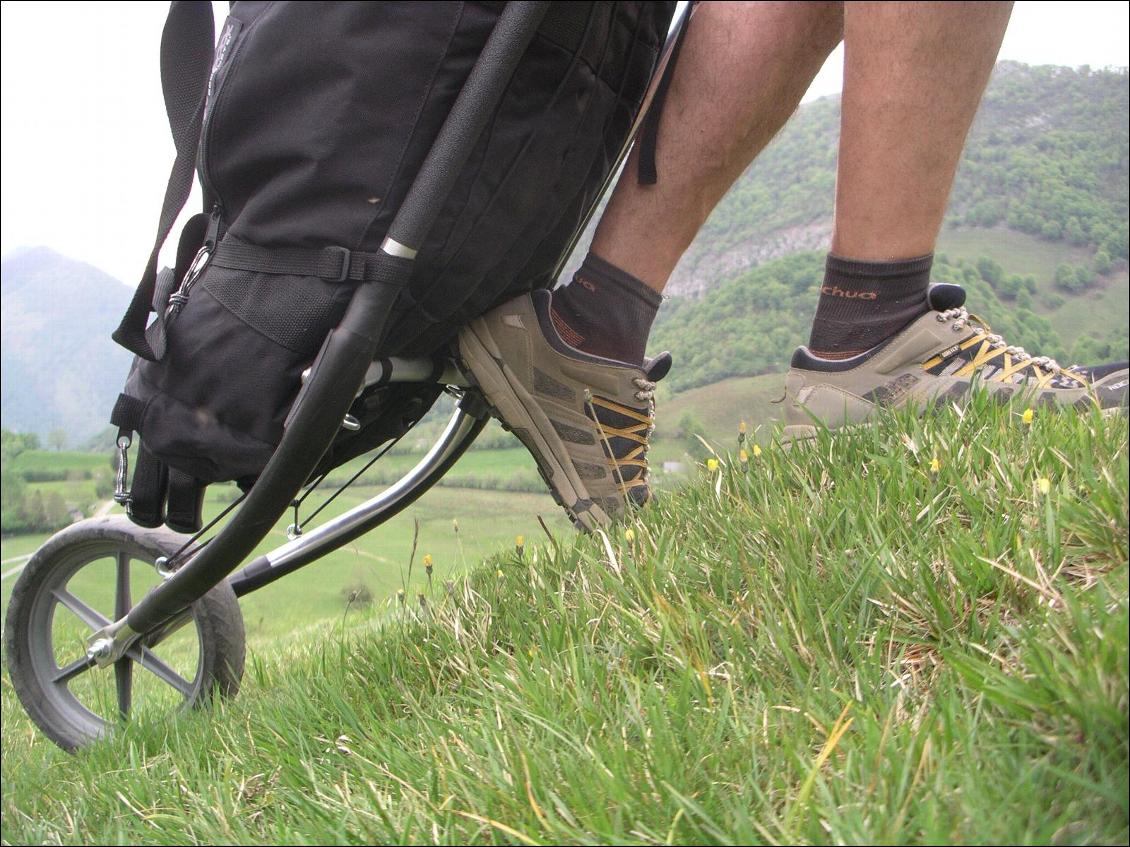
x=58 y=366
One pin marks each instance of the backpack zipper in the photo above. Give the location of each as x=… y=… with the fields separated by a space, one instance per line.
x=221 y=69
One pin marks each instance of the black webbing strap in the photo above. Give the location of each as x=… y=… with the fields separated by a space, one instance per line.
x=187 y=45
x=148 y=490
x=336 y=264
x=649 y=137
x=186 y=502
x=127 y=413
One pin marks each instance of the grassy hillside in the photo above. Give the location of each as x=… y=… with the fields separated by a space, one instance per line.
x=915 y=634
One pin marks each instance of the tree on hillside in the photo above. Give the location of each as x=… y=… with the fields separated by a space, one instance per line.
x=1103 y=264
x=55 y=514
x=57 y=439
x=990 y=271
x=35 y=513
x=14 y=443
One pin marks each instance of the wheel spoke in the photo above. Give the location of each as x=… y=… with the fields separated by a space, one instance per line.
x=122 y=601
x=147 y=659
x=75 y=668
x=83 y=612
x=123 y=682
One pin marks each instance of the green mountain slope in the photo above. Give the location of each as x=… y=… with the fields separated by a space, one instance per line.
x=1047 y=156
x=59 y=367
x=915 y=634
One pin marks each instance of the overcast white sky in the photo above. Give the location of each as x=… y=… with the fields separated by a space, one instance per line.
x=85 y=149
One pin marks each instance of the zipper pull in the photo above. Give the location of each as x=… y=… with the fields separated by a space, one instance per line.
x=199 y=262
x=212 y=234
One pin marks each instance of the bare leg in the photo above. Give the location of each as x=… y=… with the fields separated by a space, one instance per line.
x=741 y=74
x=913 y=77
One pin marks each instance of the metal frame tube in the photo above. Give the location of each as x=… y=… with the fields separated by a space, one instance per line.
x=456 y=438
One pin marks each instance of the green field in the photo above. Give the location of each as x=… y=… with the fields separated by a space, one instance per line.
x=1016 y=252
x=488 y=521
x=61 y=461
x=916 y=633
x=1096 y=311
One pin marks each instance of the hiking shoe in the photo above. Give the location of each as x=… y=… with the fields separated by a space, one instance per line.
x=937 y=358
x=586 y=420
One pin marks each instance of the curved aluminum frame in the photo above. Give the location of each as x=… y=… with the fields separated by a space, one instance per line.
x=324 y=538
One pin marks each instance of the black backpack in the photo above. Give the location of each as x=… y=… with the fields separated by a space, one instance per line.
x=307 y=125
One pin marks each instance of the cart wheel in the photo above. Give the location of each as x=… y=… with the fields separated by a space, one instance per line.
x=82 y=579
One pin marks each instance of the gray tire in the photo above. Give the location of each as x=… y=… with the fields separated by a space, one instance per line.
x=61 y=597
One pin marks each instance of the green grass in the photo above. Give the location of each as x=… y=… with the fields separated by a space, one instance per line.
x=837 y=644
x=62 y=461
x=722 y=406
x=1094 y=312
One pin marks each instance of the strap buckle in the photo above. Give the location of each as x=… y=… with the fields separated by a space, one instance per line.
x=346 y=261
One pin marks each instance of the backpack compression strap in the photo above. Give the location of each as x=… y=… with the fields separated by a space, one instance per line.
x=187 y=46
x=647 y=173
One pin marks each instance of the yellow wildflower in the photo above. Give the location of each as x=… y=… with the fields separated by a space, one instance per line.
x=935 y=465
x=743 y=456
x=712 y=464
x=629 y=535
x=1045 y=484
x=756 y=450
x=1027 y=417
x=519 y=541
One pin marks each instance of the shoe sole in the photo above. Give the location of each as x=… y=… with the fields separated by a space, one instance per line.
x=519 y=413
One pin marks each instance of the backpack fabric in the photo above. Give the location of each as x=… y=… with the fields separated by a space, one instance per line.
x=313 y=121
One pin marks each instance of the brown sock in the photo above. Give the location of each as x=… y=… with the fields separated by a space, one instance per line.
x=605 y=311
x=862 y=304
